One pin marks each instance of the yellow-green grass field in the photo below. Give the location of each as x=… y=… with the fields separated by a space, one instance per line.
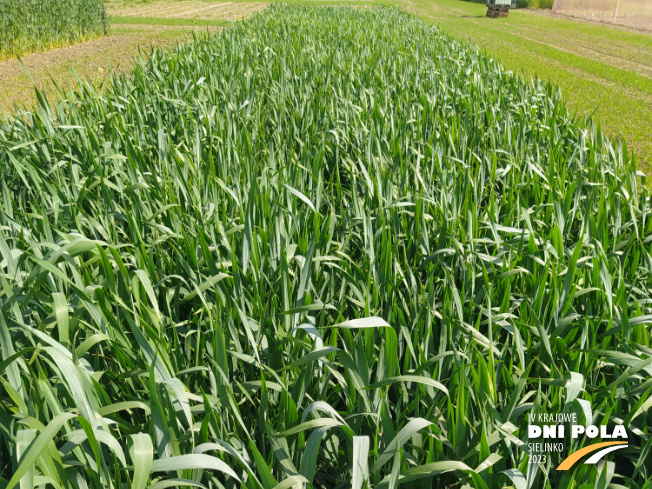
x=598 y=68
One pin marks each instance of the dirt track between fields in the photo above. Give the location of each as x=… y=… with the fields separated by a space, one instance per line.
x=144 y=26
x=90 y=60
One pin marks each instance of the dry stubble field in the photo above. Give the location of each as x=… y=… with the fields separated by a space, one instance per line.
x=194 y=9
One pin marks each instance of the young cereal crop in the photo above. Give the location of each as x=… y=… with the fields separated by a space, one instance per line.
x=32 y=25
x=329 y=248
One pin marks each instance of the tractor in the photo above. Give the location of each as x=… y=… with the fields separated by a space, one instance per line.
x=499 y=8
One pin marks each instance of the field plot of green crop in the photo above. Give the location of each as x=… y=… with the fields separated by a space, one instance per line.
x=329 y=248
x=32 y=25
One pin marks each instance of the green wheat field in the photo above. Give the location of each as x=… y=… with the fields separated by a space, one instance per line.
x=36 y=25
x=325 y=248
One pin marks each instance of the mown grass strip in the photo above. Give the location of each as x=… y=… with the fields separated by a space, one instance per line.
x=115 y=19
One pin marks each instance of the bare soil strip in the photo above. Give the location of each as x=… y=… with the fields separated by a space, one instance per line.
x=90 y=61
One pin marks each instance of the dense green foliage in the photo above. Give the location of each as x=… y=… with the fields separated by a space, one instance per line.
x=536 y=4
x=327 y=246
x=33 y=25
